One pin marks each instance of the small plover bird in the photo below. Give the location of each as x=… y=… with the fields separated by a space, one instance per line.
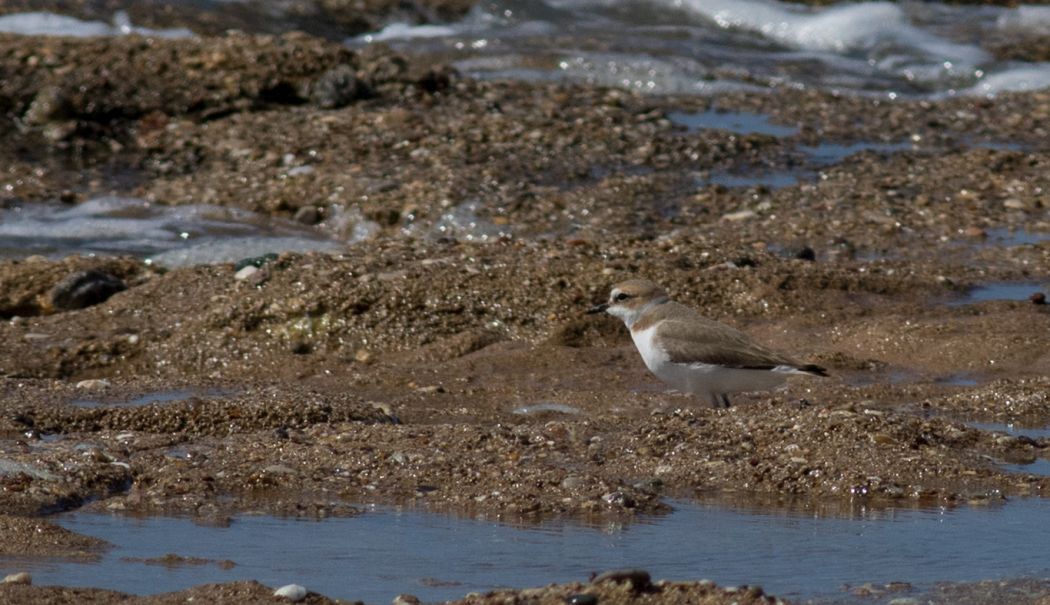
x=694 y=354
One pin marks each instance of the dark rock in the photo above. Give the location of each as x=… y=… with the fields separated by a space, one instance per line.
x=338 y=87
x=582 y=599
x=639 y=578
x=806 y=253
x=307 y=215
x=84 y=289
x=1038 y=298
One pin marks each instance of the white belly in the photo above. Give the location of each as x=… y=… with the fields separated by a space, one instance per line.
x=703 y=379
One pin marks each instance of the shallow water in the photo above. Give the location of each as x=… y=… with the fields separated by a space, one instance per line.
x=774 y=179
x=171 y=236
x=1001 y=291
x=1040 y=467
x=710 y=46
x=1015 y=237
x=166 y=396
x=811 y=159
x=50 y=24
x=698 y=46
x=959 y=380
x=388 y=551
x=1012 y=429
x=740 y=122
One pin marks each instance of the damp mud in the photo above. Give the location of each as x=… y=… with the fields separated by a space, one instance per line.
x=251 y=274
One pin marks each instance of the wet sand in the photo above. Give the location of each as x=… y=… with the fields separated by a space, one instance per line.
x=450 y=365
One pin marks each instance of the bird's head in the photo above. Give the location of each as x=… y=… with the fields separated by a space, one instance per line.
x=629 y=299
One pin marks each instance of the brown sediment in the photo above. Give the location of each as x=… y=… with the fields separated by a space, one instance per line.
x=430 y=367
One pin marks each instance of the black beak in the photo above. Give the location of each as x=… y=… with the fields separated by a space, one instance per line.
x=599 y=309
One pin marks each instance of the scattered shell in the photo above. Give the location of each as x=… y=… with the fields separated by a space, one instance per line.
x=246 y=272
x=21 y=577
x=292 y=592
x=546 y=406
x=739 y=215
x=94 y=384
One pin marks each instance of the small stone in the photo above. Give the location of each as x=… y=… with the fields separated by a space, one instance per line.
x=406 y=599
x=21 y=577
x=94 y=384
x=307 y=215
x=573 y=482
x=246 y=272
x=84 y=289
x=382 y=407
x=338 y=87
x=904 y=601
x=739 y=215
x=1014 y=204
x=639 y=578
x=363 y=356
x=582 y=599
x=975 y=233
x=291 y=592
x=619 y=498
x=1038 y=298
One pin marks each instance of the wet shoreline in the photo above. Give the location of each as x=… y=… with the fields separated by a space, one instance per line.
x=431 y=351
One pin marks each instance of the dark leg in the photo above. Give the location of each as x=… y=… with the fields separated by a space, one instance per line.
x=725 y=400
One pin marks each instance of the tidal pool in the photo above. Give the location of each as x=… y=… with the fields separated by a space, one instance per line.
x=386 y=551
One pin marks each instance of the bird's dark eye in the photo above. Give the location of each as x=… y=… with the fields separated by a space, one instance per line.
x=622 y=296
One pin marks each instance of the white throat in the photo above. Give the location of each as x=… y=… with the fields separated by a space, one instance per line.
x=631 y=316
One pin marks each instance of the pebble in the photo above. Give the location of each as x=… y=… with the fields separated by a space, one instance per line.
x=739 y=215
x=619 y=498
x=292 y=592
x=84 y=289
x=307 y=215
x=582 y=599
x=1038 y=298
x=559 y=408
x=93 y=384
x=338 y=87
x=573 y=482
x=21 y=577
x=406 y=599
